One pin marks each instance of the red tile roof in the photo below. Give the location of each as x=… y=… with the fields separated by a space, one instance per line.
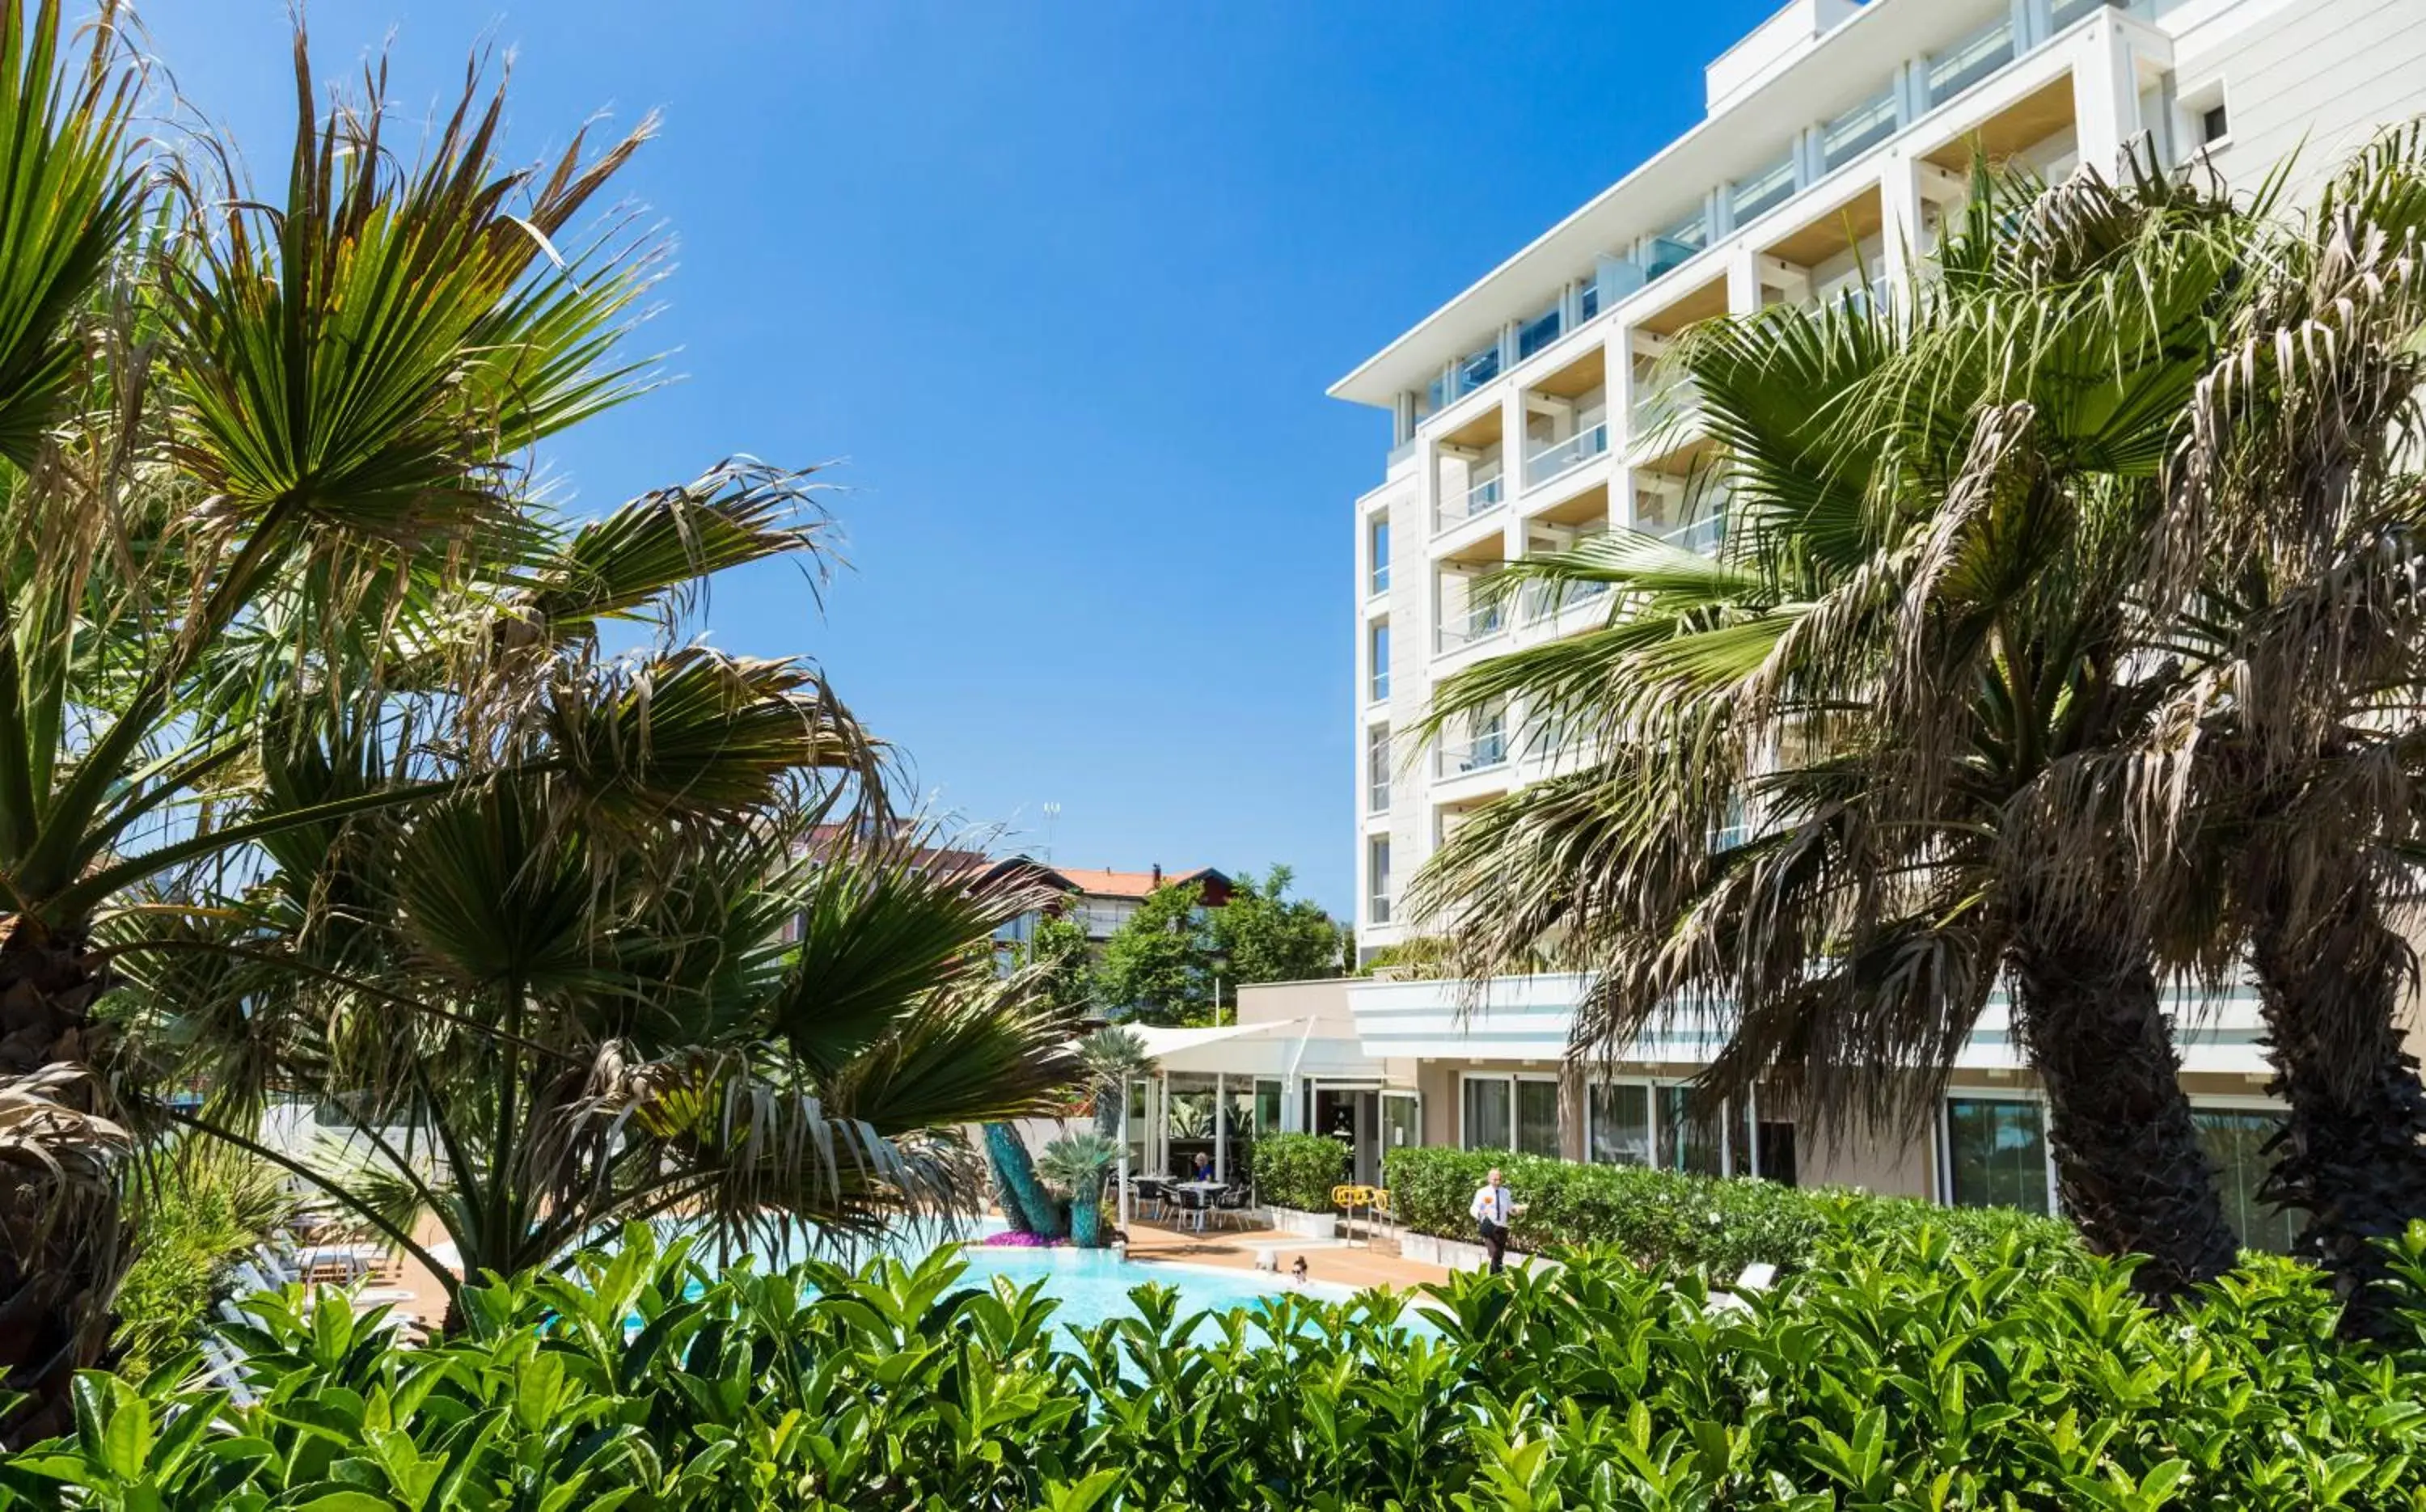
x=1104 y=882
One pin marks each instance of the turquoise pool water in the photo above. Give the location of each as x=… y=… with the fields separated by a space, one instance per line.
x=1089 y=1286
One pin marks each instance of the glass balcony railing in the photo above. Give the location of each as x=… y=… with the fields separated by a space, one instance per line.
x=1485 y=752
x=1756 y=195
x=1701 y=535
x=1554 y=458
x=1857 y=131
x=1543 y=602
x=1476 y=624
x=1540 y=331
x=1481 y=497
x=1970 y=60
x=2065 y=12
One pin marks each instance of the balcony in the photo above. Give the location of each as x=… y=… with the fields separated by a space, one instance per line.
x=1556 y=459
x=1485 y=752
x=1702 y=537
x=1485 y=496
x=1542 y=603
x=1970 y=62
x=1478 y=624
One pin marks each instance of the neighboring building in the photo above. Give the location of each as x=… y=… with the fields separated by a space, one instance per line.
x=1103 y=900
x=1838 y=139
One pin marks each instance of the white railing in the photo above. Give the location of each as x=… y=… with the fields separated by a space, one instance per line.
x=1482 y=497
x=1478 y=625
x=1970 y=60
x=1665 y=411
x=1554 y=458
x=1542 y=601
x=1486 y=753
x=1701 y=535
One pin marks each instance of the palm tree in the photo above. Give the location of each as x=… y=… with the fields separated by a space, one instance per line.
x=1077 y=1162
x=1113 y=1057
x=238 y=452
x=1923 y=628
x=2290 y=754
x=537 y=1033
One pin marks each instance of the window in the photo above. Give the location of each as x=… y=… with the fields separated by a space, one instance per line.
x=2235 y=1141
x=1591 y=306
x=1377 y=878
x=1377 y=650
x=1619 y=1115
x=1688 y=1143
x=1402 y=1123
x=1377 y=769
x=1997 y=1153
x=1537 y=1118
x=1377 y=554
x=1267 y=1107
x=2215 y=124
x=1486 y=1123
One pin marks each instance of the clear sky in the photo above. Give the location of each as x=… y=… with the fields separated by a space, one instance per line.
x=1057 y=287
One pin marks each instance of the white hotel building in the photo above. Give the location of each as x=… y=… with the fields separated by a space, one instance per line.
x=1837 y=138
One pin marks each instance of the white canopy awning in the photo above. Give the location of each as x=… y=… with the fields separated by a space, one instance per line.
x=1277 y=1047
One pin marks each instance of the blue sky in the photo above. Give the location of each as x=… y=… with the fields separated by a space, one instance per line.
x=1059 y=288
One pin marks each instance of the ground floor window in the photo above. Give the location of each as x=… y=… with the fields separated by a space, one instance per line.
x=1483 y=1123
x=1997 y=1153
x=1402 y=1120
x=1619 y=1114
x=1700 y=1145
x=2235 y=1141
x=1518 y=1113
x=1645 y=1123
x=1267 y=1107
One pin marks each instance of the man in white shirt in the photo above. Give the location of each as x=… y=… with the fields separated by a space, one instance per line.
x=1493 y=1206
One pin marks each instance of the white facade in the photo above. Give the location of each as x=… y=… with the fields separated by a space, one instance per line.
x=1838 y=139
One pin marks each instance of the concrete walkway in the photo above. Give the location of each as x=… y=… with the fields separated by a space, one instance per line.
x=1359 y=1265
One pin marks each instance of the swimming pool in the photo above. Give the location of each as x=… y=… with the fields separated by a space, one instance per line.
x=1090 y=1286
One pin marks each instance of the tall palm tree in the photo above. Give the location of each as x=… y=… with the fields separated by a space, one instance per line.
x=2288 y=758
x=296 y=666
x=1923 y=624
x=237 y=449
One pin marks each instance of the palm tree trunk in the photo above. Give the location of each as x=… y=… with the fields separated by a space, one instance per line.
x=64 y=1242
x=2353 y=1153
x=2129 y=1168
x=1017 y=1187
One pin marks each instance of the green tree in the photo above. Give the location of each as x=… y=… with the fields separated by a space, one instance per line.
x=1058 y=950
x=1262 y=935
x=1077 y=1163
x=1836 y=778
x=1159 y=966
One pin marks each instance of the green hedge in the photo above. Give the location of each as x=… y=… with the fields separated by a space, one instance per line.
x=1298 y=1170
x=1906 y=1378
x=1665 y=1218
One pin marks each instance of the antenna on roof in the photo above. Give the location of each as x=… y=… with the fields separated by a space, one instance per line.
x=1052 y=811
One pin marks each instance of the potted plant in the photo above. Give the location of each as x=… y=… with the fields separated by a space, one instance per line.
x=1294 y=1175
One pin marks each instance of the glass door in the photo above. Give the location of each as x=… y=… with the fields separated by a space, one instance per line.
x=1403 y=1125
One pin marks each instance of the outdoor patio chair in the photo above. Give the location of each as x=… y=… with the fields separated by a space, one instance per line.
x=1235 y=1204
x=1151 y=1195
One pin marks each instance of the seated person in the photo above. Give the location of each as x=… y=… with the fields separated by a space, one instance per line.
x=1201 y=1170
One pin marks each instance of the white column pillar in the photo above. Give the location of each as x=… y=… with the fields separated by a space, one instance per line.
x=1511 y=443
x=1744 y=281
x=2105 y=95
x=1221 y=1127
x=1125 y=1153
x=1900 y=222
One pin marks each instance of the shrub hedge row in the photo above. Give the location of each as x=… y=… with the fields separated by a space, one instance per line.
x=1666 y=1218
x=1298 y=1170
x=1903 y=1375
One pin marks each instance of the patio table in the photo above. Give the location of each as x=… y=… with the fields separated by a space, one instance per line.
x=1204 y=1192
